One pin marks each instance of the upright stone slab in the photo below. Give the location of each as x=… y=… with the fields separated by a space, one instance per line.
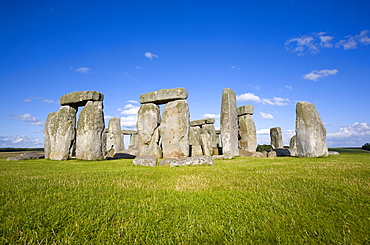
x=229 y=123
x=194 y=135
x=310 y=131
x=175 y=129
x=133 y=142
x=59 y=133
x=90 y=129
x=164 y=96
x=114 y=136
x=247 y=133
x=276 y=138
x=293 y=146
x=148 y=121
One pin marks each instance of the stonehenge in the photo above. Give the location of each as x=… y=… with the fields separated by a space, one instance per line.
x=170 y=134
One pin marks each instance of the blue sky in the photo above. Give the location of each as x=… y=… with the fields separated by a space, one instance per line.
x=271 y=53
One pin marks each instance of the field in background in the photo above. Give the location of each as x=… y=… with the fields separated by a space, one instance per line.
x=244 y=200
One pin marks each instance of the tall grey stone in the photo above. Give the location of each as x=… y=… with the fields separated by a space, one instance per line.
x=90 y=129
x=133 y=142
x=293 y=146
x=148 y=121
x=210 y=129
x=310 y=131
x=229 y=123
x=114 y=136
x=59 y=133
x=175 y=129
x=247 y=133
x=164 y=96
x=276 y=138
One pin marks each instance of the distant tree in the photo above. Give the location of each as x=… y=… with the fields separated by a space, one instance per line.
x=262 y=148
x=366 y=146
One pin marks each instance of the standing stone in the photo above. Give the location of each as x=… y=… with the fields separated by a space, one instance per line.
x=59 y=133
x=229 y=123
x=210 y=129
x=133 y=142
x=114 y=136
x=247 y=133
x=90 y=129
x=148 y=121
x=310 y=131
x=293 y=146
x=276 y=138
x=175 y=129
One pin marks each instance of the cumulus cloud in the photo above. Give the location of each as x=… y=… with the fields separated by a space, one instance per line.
x=352 y=42
x=276 y=101
x=83 y=70
x=265 y=131
x=129 y=121
x=288 y=87
x=27 y=100
x=20 y=141
x=248 y=97
x=150 y=55
x=315 y=75
x=133 y=101
x=266 y=115
x=50 y=101
x=211 y=116
x=354 y=135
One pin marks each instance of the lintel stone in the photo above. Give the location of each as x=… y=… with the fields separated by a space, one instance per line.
x=164 y=95
x=201 y=122
x=245 y=110
x=81 y=98
x=128 y=132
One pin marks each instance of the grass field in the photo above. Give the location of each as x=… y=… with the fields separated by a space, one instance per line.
x=239 y=201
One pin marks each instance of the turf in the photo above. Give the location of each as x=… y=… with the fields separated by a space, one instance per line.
x=240 y=201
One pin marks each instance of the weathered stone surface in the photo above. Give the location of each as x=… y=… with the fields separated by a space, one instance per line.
x=245 y=153
x=206 y=147
x=293 y=146
x=90 y=129
x=80 y=98
x=148 y=121
x=196 y=150
x=149 y=161
x=114 y=136
x=128 y=132
x=229 y=123
x=164 y=95
x=194 y=135
x=276 y=138
x=26 y=156
x=175 y=129
x=247 y=133
x=59 y=133
x=259 y=154
x=188 y=161
x=134 y=139
x=310 y=131
x=245 y=110
x=210 y=130
x=201 y=122
x=271 y=154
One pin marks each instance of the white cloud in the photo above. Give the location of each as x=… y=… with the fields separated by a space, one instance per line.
x=20 y=141
x=138 y=67
x=133 y=101
x=352 y=42
x=266 y=115
x=39 y=131
x=248 y=97
x=50 y=101
x=33 y=121
x=276 y=101
x=233 y=68
x=27 y=100
x=129 y=121
x=84 y=70
x=315 y=75
x=211 y=116
x=265 y=131
x=288 y=87
x=107 y=117
x=302 y=45
x=150 y=55
x=356 y=134
x=131 y=111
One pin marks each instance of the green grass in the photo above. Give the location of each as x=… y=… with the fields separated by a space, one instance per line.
x=240 y=201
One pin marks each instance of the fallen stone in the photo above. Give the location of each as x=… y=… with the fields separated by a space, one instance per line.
x=245 y=110
x=229 y=123
x=310 y=132
x=333 y=153
x=187 y=161
x=26 y=156
x=149 y=161
x=201 y=122
x=244 y=153
x=164 y=96
x=221 y=157
x=271 y=154
x=81 y=98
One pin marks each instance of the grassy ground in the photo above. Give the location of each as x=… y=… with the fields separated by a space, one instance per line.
x=240 y=201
